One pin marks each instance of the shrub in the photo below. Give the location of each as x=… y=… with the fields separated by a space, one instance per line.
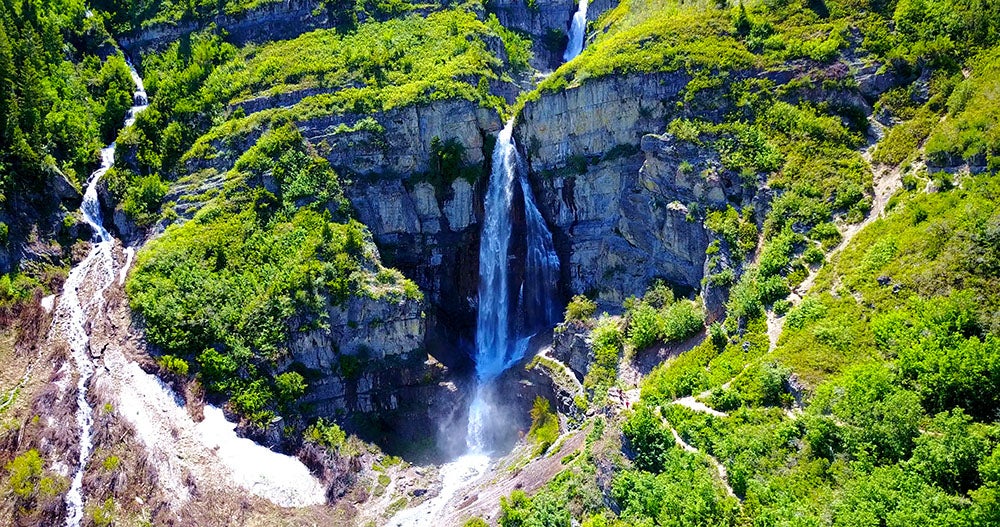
x=644 y=326
x=290 y=386
x=174 y=365
x=681 y=320
x=813 y=255
x=651 y=442
x=607 y=341
x=25 y=473
x=544 y=425
x=580 y=308
x=143 y=199
x=325 y=433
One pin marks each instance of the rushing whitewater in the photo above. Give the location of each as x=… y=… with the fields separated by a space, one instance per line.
x=97 y=269
x=509 y=314
x=577 y=29
x=493 y=319
x=177 y=445
x=504 y=327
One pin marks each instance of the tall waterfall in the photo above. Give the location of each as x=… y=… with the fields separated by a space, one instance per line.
x=503 y=327
x=96 y=270
x=577 y=29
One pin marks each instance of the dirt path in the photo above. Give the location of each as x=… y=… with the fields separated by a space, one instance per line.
x=719 y=468
x=886 y=181
x=698 y=406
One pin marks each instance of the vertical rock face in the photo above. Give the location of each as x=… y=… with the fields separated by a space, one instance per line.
x=35 y=229
x=401 y=143
x=626 y=203
x=619 y=198
x=592 y=119
x=274 y=21
x=370 y=364
x=428 y=231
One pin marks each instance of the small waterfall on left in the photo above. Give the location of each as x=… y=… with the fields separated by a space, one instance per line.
x=95 y=271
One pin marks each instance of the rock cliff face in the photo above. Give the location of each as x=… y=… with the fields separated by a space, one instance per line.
x=401 y=142
x=36 y=229
x=369 y=366
x=616 y=196
x=430 y=233
x=275 y=21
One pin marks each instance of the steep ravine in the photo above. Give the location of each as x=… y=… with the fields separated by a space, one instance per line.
x=187 y=453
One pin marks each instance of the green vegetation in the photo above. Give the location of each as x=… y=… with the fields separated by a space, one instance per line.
x=58 y=101
x=580 y=308
x=63 y=95
x=128 y=16
x=969 y=132
x=227 y=289
x=27 y=479
x=544 y=425
x=198 y=84
x=901 y=385
x=326 y=433
x=607 y=340
x=658 y=317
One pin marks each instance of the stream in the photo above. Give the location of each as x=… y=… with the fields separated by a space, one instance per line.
x=210 y=450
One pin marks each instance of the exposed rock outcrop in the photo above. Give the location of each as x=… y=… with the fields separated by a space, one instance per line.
x=428 y=231
x=619 y=202
x=571 y=345
x=272 y=21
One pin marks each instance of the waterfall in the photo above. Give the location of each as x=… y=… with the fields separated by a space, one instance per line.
x=503 y=329
x=577 y=29
x=493 y=319
x=95 y=271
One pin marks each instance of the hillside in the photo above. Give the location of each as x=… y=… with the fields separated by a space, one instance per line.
x=770 y=230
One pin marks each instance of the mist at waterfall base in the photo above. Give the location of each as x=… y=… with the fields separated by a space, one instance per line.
x=577 y=30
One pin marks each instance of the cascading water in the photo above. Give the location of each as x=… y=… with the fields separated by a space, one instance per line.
x=576 y=32
x=97 y=271
x=502 y=333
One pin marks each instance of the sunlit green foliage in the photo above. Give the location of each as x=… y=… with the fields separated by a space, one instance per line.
x=544 y=425
x=607 y=340
x=658 y=317
x=580 y=308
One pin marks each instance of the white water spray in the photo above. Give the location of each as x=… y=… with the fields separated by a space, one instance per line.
x=577 y=30
x=97 y=270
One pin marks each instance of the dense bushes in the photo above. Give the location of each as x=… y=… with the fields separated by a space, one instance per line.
x=607 y=341
x=58 y=102
x=683 y=493
x=652 y=443
x=579 y=308
x=544 y=425
x=658 y=317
